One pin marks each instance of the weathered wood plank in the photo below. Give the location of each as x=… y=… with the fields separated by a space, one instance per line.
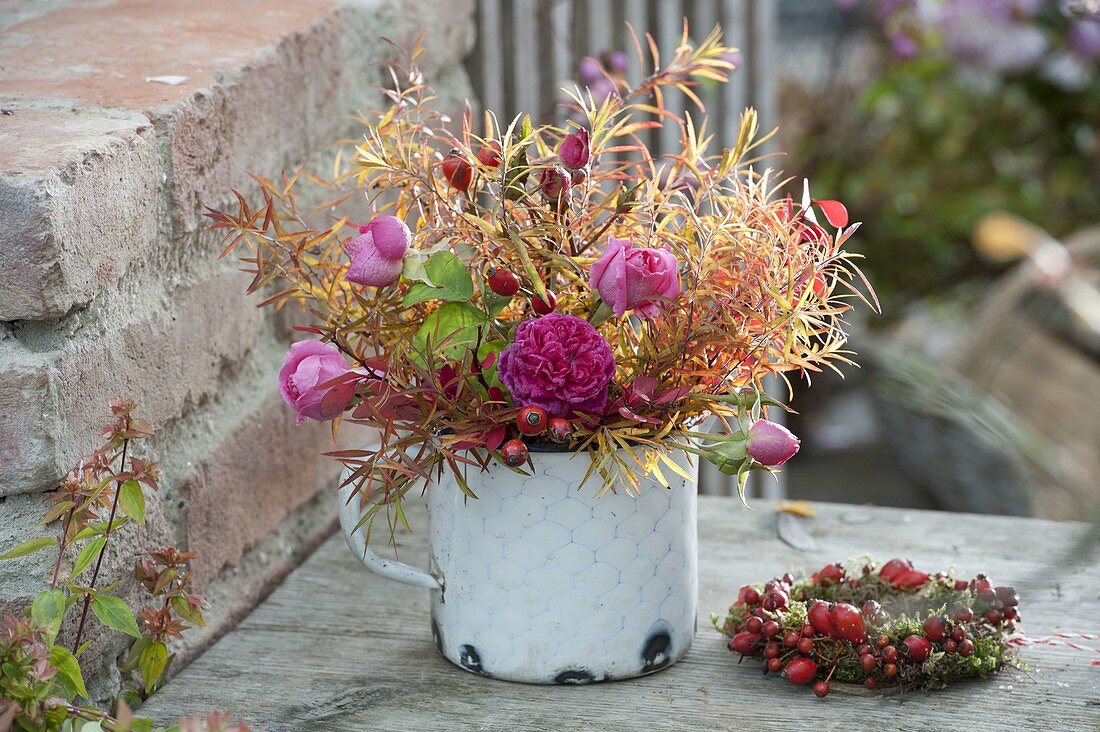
x=336 y=648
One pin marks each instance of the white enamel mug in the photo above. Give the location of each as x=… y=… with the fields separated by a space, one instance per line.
x=539 y=582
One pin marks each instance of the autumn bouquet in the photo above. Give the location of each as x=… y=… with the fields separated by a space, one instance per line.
x=522 y=287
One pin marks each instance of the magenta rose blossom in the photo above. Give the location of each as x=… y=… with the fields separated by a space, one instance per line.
x=560 y=363
x=631 y=278
x=770 y=443
x=377 y=252
x=308 y=365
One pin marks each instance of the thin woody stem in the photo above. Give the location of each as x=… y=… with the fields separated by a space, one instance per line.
x=103 y=549
x=62 y=547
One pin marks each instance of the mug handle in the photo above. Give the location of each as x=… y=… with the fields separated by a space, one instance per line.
x=357 y=542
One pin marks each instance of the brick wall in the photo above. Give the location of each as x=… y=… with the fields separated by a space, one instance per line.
x=110 y=286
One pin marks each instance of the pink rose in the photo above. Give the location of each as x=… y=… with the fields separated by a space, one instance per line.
x=308 y=366
x=630 y=278
x=771 y=444
x=377 y=252
x=560 y=363
x=574 y=149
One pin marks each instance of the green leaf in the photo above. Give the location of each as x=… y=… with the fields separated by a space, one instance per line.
x=451 y=278
x=48 y=609
x=68 y=671
x=495 y=303
x=141 y=724
x=56 y=511
x=184 y=610
x=449 y=273
x=134 y=654
x=30 y=546
x=88 y=554
x=418 y=293
x=115 y=614
x=412 y=267
x=100 y=527
x=455 y=322
x=528 y=265
x=132 y=501
x=491 y=374
x=151 y=664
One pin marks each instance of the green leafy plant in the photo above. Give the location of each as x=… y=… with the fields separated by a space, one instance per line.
x=40 y=678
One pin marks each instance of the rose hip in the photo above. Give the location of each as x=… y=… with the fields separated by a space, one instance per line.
x=848 y=623
x=544 y=307
x=502 y=282
x=935 y=628
x=748 y=595
x=514 y=452
x=531 y=420
x=917 y=648
x=893 y=568
x=800 y=670
x=744 y=643
x=821 y=617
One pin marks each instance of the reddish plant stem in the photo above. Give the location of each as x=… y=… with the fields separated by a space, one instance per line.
x=63 y=545
x=103 y=549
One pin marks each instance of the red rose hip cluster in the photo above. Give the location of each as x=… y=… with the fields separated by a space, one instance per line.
x=833 y=625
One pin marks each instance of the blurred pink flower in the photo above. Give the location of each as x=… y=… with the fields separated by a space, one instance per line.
x=630 y=278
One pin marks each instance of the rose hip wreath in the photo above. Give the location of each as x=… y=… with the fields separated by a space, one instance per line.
x=888 y=626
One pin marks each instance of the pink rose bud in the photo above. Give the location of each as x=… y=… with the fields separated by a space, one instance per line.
x=377 y=252
x=574 y=150
x=770 y=443
x=308 y=366
x=634 y=278
x=554 y=183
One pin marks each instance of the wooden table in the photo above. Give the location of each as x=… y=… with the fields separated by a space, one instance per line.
x=336 y=648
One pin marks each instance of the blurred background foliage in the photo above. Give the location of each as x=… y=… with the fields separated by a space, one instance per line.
x=923 y=116
x=962 y=107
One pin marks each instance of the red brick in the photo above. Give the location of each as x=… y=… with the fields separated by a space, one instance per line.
x=264 y=469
